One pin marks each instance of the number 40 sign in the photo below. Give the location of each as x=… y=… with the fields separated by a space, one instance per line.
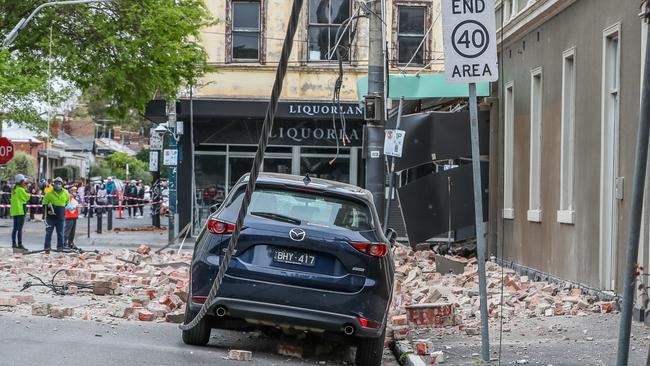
x=470 y=40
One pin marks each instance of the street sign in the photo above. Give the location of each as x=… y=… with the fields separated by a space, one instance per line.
x=153 y=161
x=155 y=141
x=394 y=142
x=469 y=37
x=6 y=150
x=170 y=157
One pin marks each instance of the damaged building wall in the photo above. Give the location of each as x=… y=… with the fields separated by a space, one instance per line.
x=573 y=251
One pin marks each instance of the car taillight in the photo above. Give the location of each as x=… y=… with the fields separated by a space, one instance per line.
x=199 y=299
x=372 y=249
x=219 y=227
x=367 y=323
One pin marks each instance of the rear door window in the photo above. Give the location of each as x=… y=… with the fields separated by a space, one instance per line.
x=310 y=208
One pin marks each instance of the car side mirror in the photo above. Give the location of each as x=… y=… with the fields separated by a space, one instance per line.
x=391 y=235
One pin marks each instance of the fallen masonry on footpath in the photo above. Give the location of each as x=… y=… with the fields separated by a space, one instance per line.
x=424 y=298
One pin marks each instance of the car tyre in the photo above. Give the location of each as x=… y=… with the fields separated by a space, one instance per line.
x=370 y=351
x=200 y=334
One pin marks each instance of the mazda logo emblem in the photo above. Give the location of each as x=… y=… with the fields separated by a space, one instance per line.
x=297 y=234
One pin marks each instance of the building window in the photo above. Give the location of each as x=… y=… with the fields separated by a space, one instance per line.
x=246 y=30
x=534 y=199
x=508 y=151
x=410 y=33
x=566 y=212
x=325 y=17
x=510 y=9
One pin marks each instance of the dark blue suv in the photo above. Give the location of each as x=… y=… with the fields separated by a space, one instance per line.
x=311 y=256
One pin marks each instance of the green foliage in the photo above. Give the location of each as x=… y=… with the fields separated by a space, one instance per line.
x=115 y=165
x=127 y=51
x=67 y=172
x=100 y=169
x=21 y=164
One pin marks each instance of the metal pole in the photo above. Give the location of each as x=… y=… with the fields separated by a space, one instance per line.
x=155 y=195
x=391 y=174
x=171 y=184
x=375 y=161
x=478 y=213
x=635 y=216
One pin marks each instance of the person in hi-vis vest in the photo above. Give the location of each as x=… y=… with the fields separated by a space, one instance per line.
x=71 y=216
x=54 y=204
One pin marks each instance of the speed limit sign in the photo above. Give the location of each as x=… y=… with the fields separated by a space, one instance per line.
x=470 y=40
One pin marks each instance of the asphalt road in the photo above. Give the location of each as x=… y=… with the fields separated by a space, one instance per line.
x=37 y=341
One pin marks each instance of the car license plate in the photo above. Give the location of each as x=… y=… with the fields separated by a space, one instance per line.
x=294 y=257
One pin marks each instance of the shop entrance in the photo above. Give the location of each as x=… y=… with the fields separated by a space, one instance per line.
x=217 y=169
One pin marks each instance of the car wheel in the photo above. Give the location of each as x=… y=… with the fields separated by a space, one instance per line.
x=370 y=350
x=200 y=334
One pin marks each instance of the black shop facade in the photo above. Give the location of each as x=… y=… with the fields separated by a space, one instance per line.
x=220 y=140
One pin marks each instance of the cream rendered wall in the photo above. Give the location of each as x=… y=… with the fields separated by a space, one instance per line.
x=306 y=80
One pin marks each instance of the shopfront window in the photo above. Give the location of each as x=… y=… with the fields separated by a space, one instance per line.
x=320 y=163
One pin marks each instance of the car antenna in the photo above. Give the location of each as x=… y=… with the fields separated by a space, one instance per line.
x=306 y=179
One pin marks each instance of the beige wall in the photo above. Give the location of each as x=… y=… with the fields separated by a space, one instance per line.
x=306 y=80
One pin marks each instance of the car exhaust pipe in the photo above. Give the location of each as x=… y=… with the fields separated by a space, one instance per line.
x=348 y=330
x=221 y=311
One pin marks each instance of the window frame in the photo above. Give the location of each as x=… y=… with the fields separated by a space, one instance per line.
x=566 y=213
x=309 y=24
x=508 y=150
x=261 y=55
x=534 y=213
x=427 y=46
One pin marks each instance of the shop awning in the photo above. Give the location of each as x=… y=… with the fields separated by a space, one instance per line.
x=423 y=86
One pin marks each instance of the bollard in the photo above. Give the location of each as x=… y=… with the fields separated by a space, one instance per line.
x=88 y=216
x=109 y=219
x=99 y=222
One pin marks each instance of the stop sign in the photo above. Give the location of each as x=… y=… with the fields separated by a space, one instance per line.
x=6 y=150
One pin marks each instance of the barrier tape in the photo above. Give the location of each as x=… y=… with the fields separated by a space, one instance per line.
x=95 y=205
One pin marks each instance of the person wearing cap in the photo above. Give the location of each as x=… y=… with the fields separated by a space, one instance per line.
x=54 y=203
x=71 y=216
x=19 y=198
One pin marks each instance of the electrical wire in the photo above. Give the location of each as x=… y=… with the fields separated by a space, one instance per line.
x=426 y=35
x=257 y=164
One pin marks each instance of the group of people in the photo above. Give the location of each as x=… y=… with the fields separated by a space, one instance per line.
x=60 y=207
x=61 y=204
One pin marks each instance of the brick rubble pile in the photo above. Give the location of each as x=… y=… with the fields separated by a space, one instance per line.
x=137 y=285
x=424 y=298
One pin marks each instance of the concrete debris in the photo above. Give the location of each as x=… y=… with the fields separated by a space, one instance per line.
x=424 y=298
x=131 y=285
x=238 y=355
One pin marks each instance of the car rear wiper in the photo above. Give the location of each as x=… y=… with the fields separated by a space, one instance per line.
x=278 y=217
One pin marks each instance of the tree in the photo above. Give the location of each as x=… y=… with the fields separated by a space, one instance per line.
x=128 y=51
x=21 y=164
x=115 y=165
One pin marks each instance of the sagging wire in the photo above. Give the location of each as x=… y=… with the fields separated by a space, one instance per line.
x=61 y=290
x=338 y=84
x=426 y=35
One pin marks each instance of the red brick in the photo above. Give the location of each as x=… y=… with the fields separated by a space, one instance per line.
x=431 y=315
x=290 y=350
x=145 y=316
x=398 y=320
x=238 y=355
x=23 y=299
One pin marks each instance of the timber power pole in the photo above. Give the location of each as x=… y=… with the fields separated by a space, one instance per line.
x=375 y=115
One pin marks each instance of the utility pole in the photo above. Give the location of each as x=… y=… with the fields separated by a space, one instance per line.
x=374 y=128
x=171 y=184
x=636 y=210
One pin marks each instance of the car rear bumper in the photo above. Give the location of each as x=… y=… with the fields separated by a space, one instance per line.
x=288 y=316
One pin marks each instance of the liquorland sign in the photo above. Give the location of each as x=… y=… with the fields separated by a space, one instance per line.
x=469 y=36
x=324 y=110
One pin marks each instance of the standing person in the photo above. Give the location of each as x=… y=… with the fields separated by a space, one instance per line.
x=141 y=198
x=71 y=216
x=101 y=198
x=131 y=193
x=33 y=200
x=19 y=198
x=54 y=204
x=5 y=199
x=91 y=192
x=81 y=191
x=111 y=191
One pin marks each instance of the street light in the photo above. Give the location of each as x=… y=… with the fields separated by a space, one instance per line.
x=9 y=39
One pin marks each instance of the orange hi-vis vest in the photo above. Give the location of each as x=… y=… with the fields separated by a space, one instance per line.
x=72 y=209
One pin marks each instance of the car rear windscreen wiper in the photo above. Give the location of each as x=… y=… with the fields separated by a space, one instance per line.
x=278 y=217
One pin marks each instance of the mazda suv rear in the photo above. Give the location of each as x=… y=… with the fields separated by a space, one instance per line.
x=311 y=257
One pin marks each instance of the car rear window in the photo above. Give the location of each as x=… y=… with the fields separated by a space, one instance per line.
x=311 y=208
